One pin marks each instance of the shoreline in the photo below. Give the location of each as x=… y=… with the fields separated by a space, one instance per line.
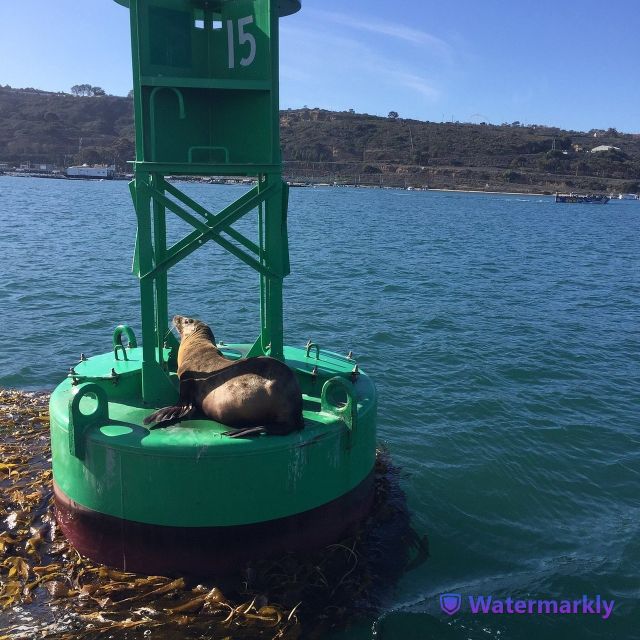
x=229 y=181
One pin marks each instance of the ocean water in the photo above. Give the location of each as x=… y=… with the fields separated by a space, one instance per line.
x=503 y=333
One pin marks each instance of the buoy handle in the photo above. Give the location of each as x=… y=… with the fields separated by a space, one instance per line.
x=313 y=345
x=79 y=421
x=117 y=340
x=349 y=413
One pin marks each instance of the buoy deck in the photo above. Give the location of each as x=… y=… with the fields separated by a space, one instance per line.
x=191 y=474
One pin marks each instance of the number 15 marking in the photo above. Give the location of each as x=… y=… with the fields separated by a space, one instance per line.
x=243 y=38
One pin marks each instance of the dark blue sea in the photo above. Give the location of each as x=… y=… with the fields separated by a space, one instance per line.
x=502 y=331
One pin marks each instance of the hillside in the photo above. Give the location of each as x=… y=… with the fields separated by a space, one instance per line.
x=60 y=128
x=328 y=146
x=457 y=155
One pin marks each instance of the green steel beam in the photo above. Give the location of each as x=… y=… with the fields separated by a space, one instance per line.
x=226 y=83
x=192 y=204
x=204 y=232
x=160 y=252
x=202 y=169
x=156 y=385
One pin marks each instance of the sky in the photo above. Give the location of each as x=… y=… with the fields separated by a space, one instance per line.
x=567 y=63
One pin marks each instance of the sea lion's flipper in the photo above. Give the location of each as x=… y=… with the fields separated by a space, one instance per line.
x=169 y=415
x=245 y=432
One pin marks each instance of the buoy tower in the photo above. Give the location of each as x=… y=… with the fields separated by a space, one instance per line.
x=187 y=498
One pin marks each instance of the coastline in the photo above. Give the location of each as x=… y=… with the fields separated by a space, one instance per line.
x=226 y=181
x=240 y=181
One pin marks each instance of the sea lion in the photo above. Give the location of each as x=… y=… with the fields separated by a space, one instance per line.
x=251 y=395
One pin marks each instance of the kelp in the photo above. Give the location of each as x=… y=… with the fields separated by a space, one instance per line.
x=47 y=590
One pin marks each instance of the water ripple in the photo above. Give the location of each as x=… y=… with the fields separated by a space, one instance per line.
x=502 y=333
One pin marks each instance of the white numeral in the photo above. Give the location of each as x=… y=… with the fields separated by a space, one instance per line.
x=246 y=37
x=243 y=38
x=232 y=57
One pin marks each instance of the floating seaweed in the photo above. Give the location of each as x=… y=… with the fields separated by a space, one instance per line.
x=47 y=590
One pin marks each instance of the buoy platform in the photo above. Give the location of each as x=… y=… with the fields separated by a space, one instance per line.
x=188 y=499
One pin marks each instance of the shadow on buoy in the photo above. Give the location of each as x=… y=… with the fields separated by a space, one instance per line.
x=348 y=581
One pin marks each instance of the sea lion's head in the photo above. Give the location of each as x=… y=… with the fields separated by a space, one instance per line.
x=189 y=326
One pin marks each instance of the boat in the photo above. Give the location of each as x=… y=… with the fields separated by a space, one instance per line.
x=578 y=198
x=628 y=196
x=86 y=172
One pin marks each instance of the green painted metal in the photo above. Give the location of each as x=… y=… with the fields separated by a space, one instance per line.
x=80 y=420
x=105 y=460
x=206 y=103
x=285 y=7
x=349 y=412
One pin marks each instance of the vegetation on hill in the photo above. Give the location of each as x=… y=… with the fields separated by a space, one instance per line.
x=458 y=155
x=326 y=146
x=63 y=129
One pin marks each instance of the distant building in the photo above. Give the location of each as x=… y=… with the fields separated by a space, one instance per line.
x=577 y=147
x=4 y=165
x=37 y=167
x=102 y=172
x=604 y=147
x=42 y=167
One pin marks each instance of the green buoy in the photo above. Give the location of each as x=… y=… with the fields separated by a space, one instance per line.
x=187 y=498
